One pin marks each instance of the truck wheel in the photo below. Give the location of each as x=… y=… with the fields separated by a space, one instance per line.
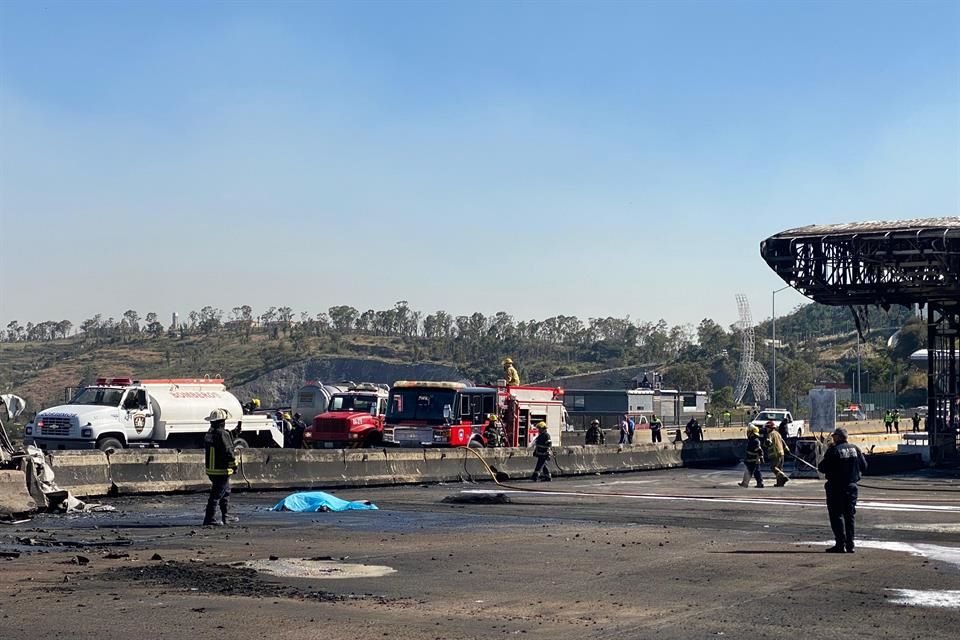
x=373 y=440
x=475 y=443
x=109 y=444
x=240 y=443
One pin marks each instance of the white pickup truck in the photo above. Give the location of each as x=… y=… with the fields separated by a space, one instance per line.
x=120 y=412
x=794 y=427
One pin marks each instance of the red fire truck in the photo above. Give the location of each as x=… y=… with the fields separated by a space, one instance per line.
x=450 y=414
x=354 y=418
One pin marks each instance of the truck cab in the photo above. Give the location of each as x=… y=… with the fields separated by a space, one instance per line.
x=114 y=413
x=354 y=418
x=451 y=414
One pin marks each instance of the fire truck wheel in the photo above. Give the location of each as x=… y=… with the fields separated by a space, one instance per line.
x=240 y=443
x=475 y=443
x=109 y=444
x=373 y=440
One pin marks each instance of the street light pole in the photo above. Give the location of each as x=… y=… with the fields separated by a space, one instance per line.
x=773 y=314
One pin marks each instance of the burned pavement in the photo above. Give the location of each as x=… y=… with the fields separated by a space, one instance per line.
x=672 y=554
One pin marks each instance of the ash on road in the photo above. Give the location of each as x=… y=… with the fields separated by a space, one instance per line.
x=671 y=554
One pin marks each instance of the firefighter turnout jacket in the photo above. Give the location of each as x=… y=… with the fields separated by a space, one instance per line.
x=542 y=445
x=754 y=450
x=220 y=459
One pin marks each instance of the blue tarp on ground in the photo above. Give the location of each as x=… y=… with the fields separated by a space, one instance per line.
x=308 y=501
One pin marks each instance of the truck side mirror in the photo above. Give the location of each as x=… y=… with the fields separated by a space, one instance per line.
x=447 y=412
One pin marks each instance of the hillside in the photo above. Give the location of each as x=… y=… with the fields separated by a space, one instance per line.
x=269 y=361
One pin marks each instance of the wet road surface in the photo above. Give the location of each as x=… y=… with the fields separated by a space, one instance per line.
x=667 y=554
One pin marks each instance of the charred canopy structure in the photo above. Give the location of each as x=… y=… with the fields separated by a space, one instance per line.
x=885 y=263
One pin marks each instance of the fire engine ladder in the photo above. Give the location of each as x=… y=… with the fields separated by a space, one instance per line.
x=523 y=428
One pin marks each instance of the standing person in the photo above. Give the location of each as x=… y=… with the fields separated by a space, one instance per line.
x=495 y=434
x=656 y=426
x=776 y=453
x=220 y=465
x=541 y=451
x=624 y=430
x=631 y=427
x=693 y=430
x=842 y=464
x=916 y=422
x=896 y=420
x=510 y=373
x=784 y=429
x=727 y=417
x=888 y=421
x=594 y=434
x=296 y=433
x=753 y=458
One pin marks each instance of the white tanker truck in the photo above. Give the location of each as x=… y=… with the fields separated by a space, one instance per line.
x=120 y=412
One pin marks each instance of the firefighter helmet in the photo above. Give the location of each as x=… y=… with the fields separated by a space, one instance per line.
x=542 y=426
x=753 y=430
x=507 y=361
x=769 y=424
x=594 y=422
x=492 y=418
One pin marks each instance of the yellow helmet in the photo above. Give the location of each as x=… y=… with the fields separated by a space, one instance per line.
x=753 y=430
x=542 y=426
x=286 y=416
x=507 y=361
x=492 y=418
x=256 y=402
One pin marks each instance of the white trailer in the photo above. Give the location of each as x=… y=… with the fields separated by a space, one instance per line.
x=120 y=412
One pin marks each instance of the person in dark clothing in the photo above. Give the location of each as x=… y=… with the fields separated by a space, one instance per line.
x=842 y=464
x=753 y=458
x=694 y=431
x=541 y=451
x=594 y=434
x=495 y=434
x=220 y=465
x=782 y=428
x=656 y=426
x=916 y=422
x=295 y=441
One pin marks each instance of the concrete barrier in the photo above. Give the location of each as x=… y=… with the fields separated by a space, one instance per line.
x=135 y=471
x=84 y=473
x=92 y=473
x=14 y=497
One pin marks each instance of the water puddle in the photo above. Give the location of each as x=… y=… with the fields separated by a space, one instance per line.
x=916 y=598
x=317 y=569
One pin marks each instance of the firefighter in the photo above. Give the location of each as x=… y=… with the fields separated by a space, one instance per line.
x=693 y=430
x=541 y=451
x=510 y=373
x=595 y=434
x=753 y=458
x=221 y=462
x=842 y=464
x=776 y=452
x=252 y=406
x=495 y=434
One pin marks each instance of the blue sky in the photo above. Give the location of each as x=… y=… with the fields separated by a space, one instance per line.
x=535 y=157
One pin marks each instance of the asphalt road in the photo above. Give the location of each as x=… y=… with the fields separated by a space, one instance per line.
x=669 y=554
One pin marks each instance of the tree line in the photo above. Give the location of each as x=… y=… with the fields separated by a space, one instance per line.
x=705 y=356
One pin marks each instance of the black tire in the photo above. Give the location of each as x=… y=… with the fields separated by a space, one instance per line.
x=475 y=443
x=240 y=443
x=109 y=444
x=373 y=440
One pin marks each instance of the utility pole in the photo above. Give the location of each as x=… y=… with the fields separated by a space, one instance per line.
x=773 y=344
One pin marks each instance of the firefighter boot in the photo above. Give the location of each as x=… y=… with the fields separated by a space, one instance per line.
x=208 y=518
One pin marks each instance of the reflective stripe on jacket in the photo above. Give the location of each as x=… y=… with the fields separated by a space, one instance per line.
x=218 y=453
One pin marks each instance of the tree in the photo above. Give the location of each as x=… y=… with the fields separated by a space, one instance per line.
x=14 y=331
x=722 y=398
x=131 y=321
x=64 y=327
x=342 y=318
x=209 y=319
